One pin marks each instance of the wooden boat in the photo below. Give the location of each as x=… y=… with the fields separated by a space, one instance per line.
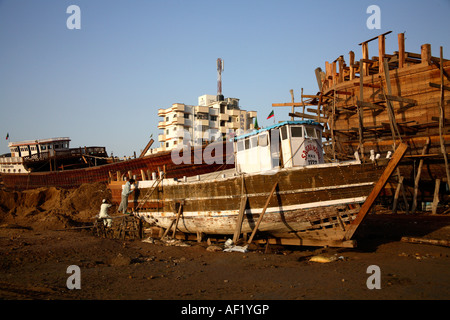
x=374 y=104
x=69 y=168
x=280 y=187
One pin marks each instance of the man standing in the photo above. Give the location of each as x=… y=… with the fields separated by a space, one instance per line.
x=125 y=193
x=104 y=213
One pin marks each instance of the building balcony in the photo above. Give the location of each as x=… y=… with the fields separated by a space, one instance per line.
x=234 y=112
x=223 y=117
x=178 y=107
x=162 y=112
x=161 y=137
x=201 y=109
x=161 y=124
x=201 y=122
x=233 y=125
x=252 y=114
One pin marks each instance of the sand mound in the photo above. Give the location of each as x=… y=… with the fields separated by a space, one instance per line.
x=52 y=208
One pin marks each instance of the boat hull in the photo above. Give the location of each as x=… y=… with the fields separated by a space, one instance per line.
x=103 y=173
x=309 y=203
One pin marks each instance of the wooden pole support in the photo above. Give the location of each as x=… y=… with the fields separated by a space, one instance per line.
x=262 y=213
x=398 y=155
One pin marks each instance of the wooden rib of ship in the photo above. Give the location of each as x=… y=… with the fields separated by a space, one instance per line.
x=375 y=103
x=51 y=163
x=280 y=188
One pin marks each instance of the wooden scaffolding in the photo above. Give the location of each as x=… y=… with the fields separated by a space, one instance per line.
x=372 y=105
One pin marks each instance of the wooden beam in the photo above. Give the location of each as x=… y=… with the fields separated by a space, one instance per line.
x=292 y=98
x=381 y=52
x=417 y=179
x=240 y=218
x=180 y=210
x=360 y=110
x=436 y=196
x=425 y=54
x=438 y=86
x=401 y=50
x=263 y=212
x=397 y=98
x=379 y=185
x=149 y=144
x=352 y=62
x=364 y=70
x=371 y=39
x=397 y=193
x=287 y=104
x=369 y=105
x=308 y=116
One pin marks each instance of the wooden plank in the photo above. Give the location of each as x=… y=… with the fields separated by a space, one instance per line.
x=287 y=104
x=437 y=242
x=397 y=98
x=180 y=210
x=308 y=242
x=262 y=213
x=401 y=50
x=237 y=231
x=371 y=39
x=417 y=179
x=370 y=105
x=308 y=116
x=436 y=196
x=398 y=155
x=438 y=86
x=396 y=195
x=381 y=53
x=360 y=111
x=149 y=144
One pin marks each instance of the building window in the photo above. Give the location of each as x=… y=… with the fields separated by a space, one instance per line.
x=213 y=118
x=186 y=115
x=202 y=116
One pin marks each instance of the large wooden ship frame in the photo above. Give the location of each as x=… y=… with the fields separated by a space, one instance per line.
x=374 y=104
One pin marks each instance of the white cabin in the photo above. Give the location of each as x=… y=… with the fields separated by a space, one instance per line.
x=284 y=145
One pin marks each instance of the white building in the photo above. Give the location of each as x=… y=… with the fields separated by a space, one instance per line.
x=210 y=120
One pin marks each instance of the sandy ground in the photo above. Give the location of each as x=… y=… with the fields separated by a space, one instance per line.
x=34 y=263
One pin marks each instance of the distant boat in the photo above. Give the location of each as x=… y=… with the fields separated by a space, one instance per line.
x=51 y=163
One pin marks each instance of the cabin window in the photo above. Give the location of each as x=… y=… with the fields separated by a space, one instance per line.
x=240 y=145
x=262 y=140
x=283 y=133
x=253 y=142
x=297 y=132
x=247 y=144
x=49 y=146
x=310 y=132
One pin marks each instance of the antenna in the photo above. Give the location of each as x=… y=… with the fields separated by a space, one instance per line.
x=220 y=68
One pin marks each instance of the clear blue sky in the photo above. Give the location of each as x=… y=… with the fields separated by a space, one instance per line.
x=103 y=84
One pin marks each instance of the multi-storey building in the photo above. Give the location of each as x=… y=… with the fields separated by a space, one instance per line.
x=212 y=119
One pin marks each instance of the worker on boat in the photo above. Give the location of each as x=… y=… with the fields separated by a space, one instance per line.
x=125 y=193
x=104 y=213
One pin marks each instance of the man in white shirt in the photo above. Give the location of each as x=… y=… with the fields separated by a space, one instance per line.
x=104 y=213
x=125 y=193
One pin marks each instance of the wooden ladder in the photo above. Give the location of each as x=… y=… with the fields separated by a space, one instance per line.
x=149 y=192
